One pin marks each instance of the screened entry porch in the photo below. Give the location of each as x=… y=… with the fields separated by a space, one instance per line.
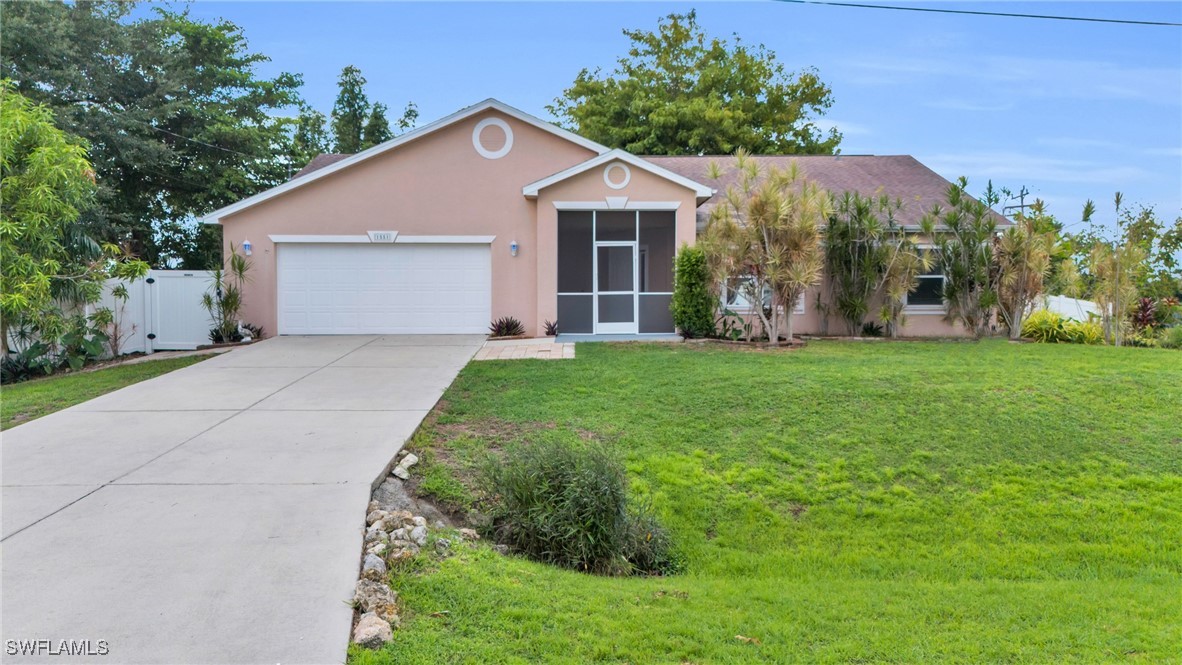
x=615 y=271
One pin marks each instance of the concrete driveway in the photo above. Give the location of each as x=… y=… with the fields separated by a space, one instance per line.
x=214 y=514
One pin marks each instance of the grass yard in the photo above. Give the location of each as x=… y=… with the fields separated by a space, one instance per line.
x=22 y=402
x=848 y=502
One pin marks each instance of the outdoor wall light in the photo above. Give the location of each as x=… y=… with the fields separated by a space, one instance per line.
x=513 y=248
x=247 y=247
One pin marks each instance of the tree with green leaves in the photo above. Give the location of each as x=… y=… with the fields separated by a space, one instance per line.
x=861 y=241
x=766 y=233
x=963 y=234
x=310 y=137
x=377 y=127
x=680 y=92
x=178 y=119
x=1022 y=255
x=350 y=111
x=694 y=301
x=45 y=182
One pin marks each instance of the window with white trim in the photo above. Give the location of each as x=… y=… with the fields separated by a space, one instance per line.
x=734 y=296
x=929 y=291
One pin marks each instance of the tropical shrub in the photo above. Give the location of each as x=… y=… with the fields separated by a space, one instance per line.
x=693 y=302
x=861 y=241
x=766 y=234
x=1022 y=255
x=566 y=504
x=964 y=255
x=551 y=328
x=1083 y=332
x=1044 y=326
x=506 y=326
x=226 y=296
x=1144 y=313
x=1170 y=338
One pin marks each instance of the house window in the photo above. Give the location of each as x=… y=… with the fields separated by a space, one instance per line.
x=929 y=292
x=734 y=296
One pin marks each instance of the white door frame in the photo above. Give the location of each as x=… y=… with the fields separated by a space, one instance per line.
x=625 y=328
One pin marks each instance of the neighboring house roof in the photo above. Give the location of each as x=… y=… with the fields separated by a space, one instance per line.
x=313 y=174
x=899 y=176
x=702 y=191
x=320 y=161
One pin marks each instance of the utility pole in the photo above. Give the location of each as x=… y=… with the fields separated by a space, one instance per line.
x=1022 y=205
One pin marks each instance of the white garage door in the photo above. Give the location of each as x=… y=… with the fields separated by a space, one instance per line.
x=346 y=289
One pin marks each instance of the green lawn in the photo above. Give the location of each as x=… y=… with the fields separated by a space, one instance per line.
x=848 y=502
x=22 y=402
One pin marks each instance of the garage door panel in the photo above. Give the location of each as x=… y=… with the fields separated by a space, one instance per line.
x=384 y=289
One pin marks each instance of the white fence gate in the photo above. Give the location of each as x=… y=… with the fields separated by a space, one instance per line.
x=163 y=311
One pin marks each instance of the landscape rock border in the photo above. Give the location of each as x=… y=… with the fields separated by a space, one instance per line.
x=393 y=535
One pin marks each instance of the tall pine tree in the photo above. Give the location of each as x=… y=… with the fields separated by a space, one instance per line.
x=350 y=111
x=377 y=128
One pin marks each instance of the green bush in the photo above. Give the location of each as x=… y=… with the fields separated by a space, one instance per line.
x=693 y=302
x=1083 y=332
x=566 y=504
x=1044 y=326
x=1170 y=338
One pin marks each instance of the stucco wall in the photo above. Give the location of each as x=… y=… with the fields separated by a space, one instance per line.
x=435 y=185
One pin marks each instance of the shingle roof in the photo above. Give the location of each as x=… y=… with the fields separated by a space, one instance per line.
x=320 y=161
x=900 y=176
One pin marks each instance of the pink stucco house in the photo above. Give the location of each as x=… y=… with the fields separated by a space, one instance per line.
x=492 y=212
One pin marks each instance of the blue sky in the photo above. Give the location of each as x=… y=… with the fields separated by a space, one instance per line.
x=1070 y=110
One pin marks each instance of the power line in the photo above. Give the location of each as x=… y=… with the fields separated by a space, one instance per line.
x=982 y=13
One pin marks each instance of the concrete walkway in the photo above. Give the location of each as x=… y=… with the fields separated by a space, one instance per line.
x=214 y=514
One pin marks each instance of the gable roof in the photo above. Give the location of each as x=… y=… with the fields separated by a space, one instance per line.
x=702 y=191
x=898 y=176
x=311 y=174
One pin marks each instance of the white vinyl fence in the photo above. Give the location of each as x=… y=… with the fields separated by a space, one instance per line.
x=163 y=311
x=1071 y=308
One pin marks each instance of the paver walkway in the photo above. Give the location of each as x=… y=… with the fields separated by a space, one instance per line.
x=520 y=349
x=213 y=514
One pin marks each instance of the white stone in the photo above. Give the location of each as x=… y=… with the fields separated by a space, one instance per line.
x=410 y=460
x=373 y=568
x=419 y=520
x=372 y=631
x=419 y=535
x=400 y=472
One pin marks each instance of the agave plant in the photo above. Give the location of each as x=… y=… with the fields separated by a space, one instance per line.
x=506 y=326
x=551 y=328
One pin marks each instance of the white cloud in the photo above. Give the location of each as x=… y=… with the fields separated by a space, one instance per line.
x=1016 y=167
x=1164 y=152
x=998 y=77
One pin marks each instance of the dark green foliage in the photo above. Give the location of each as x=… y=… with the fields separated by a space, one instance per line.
x=566 y=504
x=506 y=326
x=377 y=127
x=681 y=92
x=551 y=328
x=178 y=119
x=964 y=254
x=861 y=241
x=350 y=111
x=693 y=301
x=872 y=329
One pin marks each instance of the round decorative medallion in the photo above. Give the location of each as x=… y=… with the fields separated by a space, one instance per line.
x=614 y=180
x=492 y=138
